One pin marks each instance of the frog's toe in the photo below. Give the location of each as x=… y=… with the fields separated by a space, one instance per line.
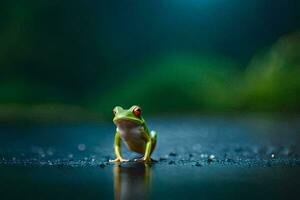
x=115 y=160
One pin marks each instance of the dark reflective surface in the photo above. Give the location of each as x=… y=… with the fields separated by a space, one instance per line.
x=168 y=182
x=199 y=157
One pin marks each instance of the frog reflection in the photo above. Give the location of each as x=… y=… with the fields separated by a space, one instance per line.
x=131 y=181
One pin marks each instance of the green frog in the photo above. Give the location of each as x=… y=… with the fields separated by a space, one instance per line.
x=133 y=131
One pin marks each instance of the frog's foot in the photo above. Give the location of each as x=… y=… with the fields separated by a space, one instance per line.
x=144 y=160
x=119 y=160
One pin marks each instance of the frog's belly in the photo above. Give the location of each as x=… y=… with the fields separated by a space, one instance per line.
x=133 y=139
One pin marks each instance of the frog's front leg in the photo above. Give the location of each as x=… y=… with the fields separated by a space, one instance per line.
x=117 y=148
x=150 y=145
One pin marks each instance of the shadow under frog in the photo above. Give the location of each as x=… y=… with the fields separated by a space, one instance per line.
x=131 y=180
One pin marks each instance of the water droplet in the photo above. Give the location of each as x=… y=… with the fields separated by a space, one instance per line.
x=81 y=147
x=171 y=162
x=172 y=154
x=203 y=155
x=102 y=165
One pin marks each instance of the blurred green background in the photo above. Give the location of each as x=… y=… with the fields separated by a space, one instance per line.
x=75 y=60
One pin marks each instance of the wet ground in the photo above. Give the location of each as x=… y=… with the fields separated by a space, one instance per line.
x=197 y=157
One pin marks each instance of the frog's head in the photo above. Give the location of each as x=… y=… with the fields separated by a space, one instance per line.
x=129 y=118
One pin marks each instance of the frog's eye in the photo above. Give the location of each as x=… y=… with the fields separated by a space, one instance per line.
x=137 y=111
x=117 y=109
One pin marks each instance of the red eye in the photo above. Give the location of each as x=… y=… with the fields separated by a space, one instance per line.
x=137 y=111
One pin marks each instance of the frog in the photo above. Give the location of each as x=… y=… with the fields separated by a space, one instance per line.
x=132 y=130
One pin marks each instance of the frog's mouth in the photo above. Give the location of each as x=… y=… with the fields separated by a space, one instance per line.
x=126 y=123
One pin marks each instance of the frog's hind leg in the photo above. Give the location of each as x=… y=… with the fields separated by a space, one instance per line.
x=150 y=146
x=153 y=136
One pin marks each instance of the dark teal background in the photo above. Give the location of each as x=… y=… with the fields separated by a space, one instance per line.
x=69 y=60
